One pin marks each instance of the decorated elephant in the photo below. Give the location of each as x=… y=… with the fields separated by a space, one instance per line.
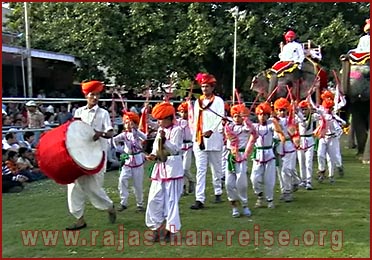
x=276 y=81
x=355 y=80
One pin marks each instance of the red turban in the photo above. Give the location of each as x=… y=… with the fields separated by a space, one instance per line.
x=328 y=103
x=327 y=95
x=132 y=117
x=91 y=86
x=281 y=103
x=303 y=104
x=162 y=110
x=205 y=78
x=183 y=107
x=238 y=109
x=263 y=108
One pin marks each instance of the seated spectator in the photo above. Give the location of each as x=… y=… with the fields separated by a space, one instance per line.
x=28 y=139
x=64 y=115
x=26 y=167
x=10 y=142
x=11 y=183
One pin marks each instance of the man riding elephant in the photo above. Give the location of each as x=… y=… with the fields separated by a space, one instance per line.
x=291 y=59
x=297 y=70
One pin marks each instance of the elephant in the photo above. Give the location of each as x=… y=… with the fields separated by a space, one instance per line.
x=300 y=82
x=355 y=80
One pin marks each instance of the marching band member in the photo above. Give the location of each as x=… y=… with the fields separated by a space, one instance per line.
x=132 y=160
x=91 y=186
x=305 y=152
x=167 y=175
x=208 y=139
x=328 y=132
x=287 y=152
x=186 y=147
x=237 y=133
x=263 y=168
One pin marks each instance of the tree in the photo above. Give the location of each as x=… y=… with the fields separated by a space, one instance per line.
x=139 y=41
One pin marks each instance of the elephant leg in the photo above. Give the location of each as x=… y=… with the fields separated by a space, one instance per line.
x=360 y=120
x=366 y=154
x=351 y=137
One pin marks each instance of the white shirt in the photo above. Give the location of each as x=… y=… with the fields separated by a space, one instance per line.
x=364 y=44
x=98 y=118
x=212 y=122
x=172 y=168
x=292 y=51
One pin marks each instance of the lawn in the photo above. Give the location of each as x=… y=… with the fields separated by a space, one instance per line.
x=329 y=221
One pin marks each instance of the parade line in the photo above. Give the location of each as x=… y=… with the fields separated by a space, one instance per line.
x=121 y=238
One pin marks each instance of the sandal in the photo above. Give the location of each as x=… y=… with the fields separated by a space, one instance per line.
x=76 y=227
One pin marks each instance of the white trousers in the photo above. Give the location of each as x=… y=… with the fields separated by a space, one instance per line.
x=186 y=164
x=163 y=205
x=338 y=156
x=305 y=161
x=288 y=172
x=87 y=186
x=237 y=184
x=263 y=174
x=225 y=154
x=202 y=158
x=136 y=174
x=327 y=151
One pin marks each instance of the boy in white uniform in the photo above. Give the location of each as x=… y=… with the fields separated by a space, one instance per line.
x=132 y=159
x=186 y=147
x=263 y=168
x=237 y=133
x=167 y=175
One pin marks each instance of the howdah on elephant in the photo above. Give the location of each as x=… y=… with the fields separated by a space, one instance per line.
x=286 y=75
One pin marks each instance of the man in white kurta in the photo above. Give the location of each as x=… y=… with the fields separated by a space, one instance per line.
x=91 y=186
x=208 y=140
x=292 y=50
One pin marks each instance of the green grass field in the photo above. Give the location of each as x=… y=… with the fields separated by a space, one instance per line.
x=333 y=219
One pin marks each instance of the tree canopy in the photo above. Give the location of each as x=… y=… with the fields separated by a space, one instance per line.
x=143 y=41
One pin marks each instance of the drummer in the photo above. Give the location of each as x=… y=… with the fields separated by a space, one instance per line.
x=91 y=186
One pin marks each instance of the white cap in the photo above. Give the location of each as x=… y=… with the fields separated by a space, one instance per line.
x=50 y=109
x=4 y=112
x=31 y=103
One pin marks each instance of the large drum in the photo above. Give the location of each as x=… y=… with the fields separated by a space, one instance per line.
x=67 y=152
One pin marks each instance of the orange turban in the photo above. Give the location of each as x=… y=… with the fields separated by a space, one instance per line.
x=205 y=78
x=281 y=103
x=183 y=107
x=132 y=117
x=366 y=27
x=328 y=103
x=162 y=110
x=91 y=86
x=238 y=109
x=327 y=95
x=303 y=104
x=263 y=108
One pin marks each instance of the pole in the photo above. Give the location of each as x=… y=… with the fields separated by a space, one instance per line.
x=28 y=52
x=234 y=65
x=23 y=76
